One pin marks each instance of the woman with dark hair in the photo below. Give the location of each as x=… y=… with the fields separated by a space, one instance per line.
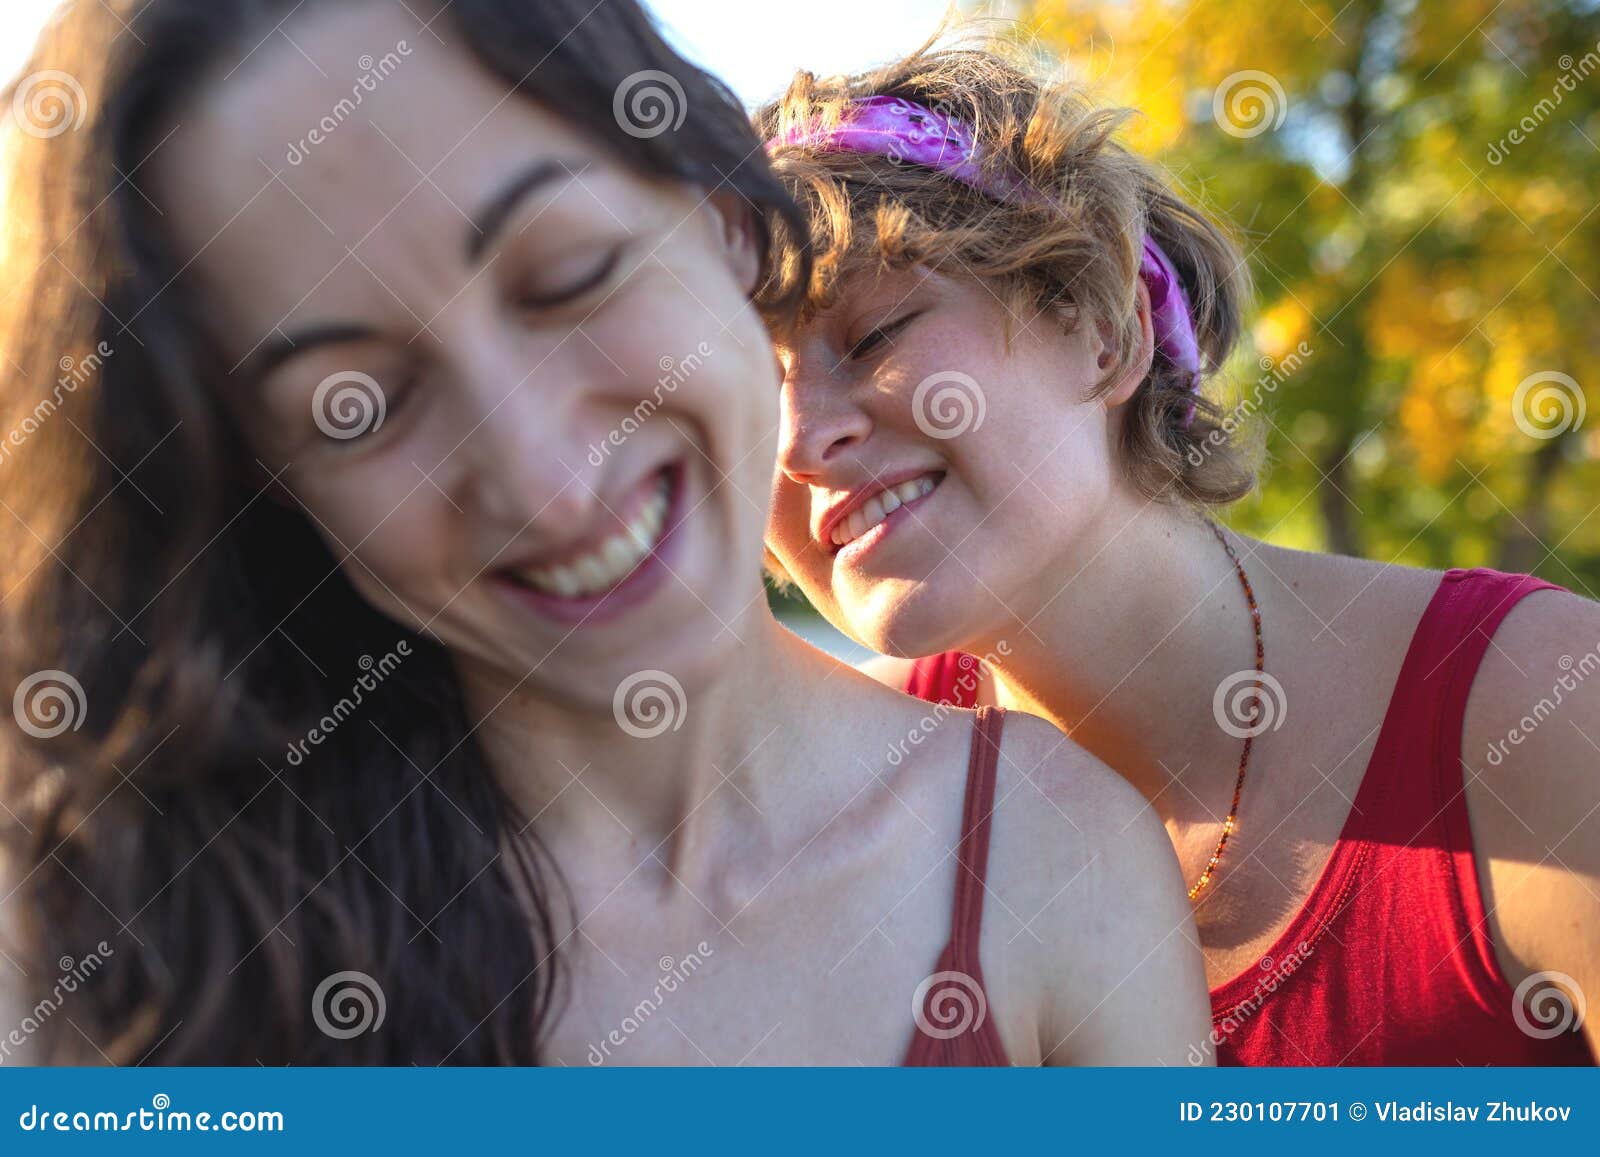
x=390 y=426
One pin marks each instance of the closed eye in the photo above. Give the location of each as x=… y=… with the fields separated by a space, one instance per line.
x=532 y=298
x=362 y=408
x=874 y=340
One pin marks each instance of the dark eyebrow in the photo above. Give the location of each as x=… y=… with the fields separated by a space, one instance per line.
x=280 y=347
x=486 y=225
x=492 y=218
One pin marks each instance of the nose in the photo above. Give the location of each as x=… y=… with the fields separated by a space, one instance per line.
x=820 y=420
x=522 y=463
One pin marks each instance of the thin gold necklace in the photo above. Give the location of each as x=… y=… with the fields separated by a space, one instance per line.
x=1244 y=756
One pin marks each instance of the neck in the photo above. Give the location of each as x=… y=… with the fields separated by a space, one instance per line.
x=1125 y=652
x=683 y=797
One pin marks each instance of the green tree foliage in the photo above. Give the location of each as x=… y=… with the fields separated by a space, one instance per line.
x=1417 y=187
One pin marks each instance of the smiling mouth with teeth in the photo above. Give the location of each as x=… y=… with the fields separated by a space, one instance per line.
x=612 y=559
x=877 y=508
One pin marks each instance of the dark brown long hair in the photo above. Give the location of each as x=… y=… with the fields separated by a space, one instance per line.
x=173 y=639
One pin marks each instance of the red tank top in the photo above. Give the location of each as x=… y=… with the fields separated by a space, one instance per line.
x=1389 y=961
x=953 y=1021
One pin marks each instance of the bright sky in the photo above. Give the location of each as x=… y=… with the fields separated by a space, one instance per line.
x=756 y=48
x=752 y=45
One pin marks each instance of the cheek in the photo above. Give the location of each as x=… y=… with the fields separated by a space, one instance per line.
x=1038 y=431
x=788 y=523
x=726 y=399
x=762 y=438
x=388 y=533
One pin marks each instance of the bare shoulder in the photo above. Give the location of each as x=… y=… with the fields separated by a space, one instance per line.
x=1532 y=724
x=1335 y=587
x=1048 y=779
x=1090 y=904
x=1531 y=762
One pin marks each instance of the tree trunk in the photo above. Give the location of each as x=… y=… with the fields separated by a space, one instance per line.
x=1523 y=545
x=1338 y=521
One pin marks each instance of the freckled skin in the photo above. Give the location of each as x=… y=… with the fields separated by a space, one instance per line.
x=849 y=420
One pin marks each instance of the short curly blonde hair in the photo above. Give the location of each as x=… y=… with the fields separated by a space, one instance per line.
x=1075 y=251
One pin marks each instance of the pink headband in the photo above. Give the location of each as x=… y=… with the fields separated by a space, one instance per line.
x=903 y=130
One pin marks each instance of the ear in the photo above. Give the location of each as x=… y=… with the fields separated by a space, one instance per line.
x=738 y=232
x=1123 y=388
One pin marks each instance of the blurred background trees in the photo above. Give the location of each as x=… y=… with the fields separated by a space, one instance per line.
x=1416 y=187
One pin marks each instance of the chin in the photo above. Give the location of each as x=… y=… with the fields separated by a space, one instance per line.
x=907 y=632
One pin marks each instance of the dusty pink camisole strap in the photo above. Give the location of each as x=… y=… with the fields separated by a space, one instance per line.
x=954 y=1025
